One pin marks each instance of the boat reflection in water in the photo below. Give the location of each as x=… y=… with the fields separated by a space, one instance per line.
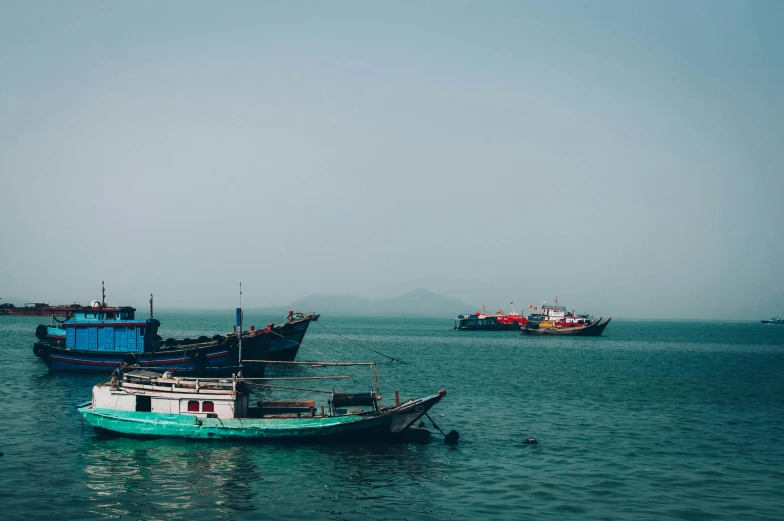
x=179 y=479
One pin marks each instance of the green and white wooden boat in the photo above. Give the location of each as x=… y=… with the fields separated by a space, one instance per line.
x=148 y=404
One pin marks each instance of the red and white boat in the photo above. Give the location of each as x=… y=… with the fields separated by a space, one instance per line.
x=498 y=321
x=555 y=320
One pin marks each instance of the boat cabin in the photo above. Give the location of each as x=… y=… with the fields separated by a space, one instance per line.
x=103 y=328
x=118 y=335
x=476 y=321
x=146 y=391
x=557 y=316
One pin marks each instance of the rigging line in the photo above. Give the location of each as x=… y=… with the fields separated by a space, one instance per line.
x=304 y=347
x=361 y=345
x=291 y=388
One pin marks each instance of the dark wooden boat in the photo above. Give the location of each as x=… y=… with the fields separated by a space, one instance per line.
x=287 y=337
x=592 y=329
x=102 y=338
x=218 y=356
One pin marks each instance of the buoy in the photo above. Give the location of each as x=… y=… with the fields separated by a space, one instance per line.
x=451 y=438
x=530 y=441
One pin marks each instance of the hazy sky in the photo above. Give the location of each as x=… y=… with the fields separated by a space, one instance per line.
x=626 y=156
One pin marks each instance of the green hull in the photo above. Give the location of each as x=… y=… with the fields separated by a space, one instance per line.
x=333 y=428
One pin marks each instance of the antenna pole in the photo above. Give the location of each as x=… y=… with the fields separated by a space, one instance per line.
x=103 y=295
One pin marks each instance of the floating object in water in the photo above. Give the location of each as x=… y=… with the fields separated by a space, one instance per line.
x=530 y=441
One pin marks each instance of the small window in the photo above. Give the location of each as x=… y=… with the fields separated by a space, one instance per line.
x=193 y=406
x=144 y=403
x=207 y=407
x=141 y=331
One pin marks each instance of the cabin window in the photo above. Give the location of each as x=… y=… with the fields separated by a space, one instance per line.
x=141 y=331
x=143 y=403
x=193 y=406
x=110 y=316
x=207 y=407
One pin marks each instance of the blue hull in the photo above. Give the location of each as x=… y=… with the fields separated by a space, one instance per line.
x=214 y=359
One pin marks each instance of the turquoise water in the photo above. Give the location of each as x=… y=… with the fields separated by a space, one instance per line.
x=654 y=420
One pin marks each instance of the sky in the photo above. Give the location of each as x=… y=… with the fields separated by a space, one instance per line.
x=625 y=156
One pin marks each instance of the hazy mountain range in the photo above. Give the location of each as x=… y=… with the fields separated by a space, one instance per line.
x=420 y=302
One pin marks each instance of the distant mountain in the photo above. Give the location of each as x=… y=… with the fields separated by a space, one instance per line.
x=420 y=302
x=16 y=301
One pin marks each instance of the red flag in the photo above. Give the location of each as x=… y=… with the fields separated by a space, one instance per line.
x=530 y=306
x=534 y=308
x=512 y=303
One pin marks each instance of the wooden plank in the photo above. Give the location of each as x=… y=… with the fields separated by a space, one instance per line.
x=279 y=378
x=308 y=363
x=308 y=404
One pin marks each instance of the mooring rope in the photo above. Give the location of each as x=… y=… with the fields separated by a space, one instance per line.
x=434 y=425
x=361 y=345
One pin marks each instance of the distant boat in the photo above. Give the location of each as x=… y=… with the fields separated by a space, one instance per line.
x=555 y=320
x=147 y=404
x=594 y=328
x=40 y=309
x=774 y=321
x=483 y=321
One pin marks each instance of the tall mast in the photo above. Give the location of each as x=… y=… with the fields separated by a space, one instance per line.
x=239 y=325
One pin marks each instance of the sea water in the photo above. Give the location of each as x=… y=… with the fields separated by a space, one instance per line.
x=653 y=420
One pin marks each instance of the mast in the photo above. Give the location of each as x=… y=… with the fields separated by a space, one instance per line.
x=103 y=302
x=239 y=325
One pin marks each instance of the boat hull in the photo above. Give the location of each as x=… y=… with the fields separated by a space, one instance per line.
x=215 y=358
x=388 y=425
x=287 y=338
x=490 y=327
x=592 y=330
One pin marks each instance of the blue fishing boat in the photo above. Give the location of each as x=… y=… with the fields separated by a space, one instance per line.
x=101 y=338
x=776 y=321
